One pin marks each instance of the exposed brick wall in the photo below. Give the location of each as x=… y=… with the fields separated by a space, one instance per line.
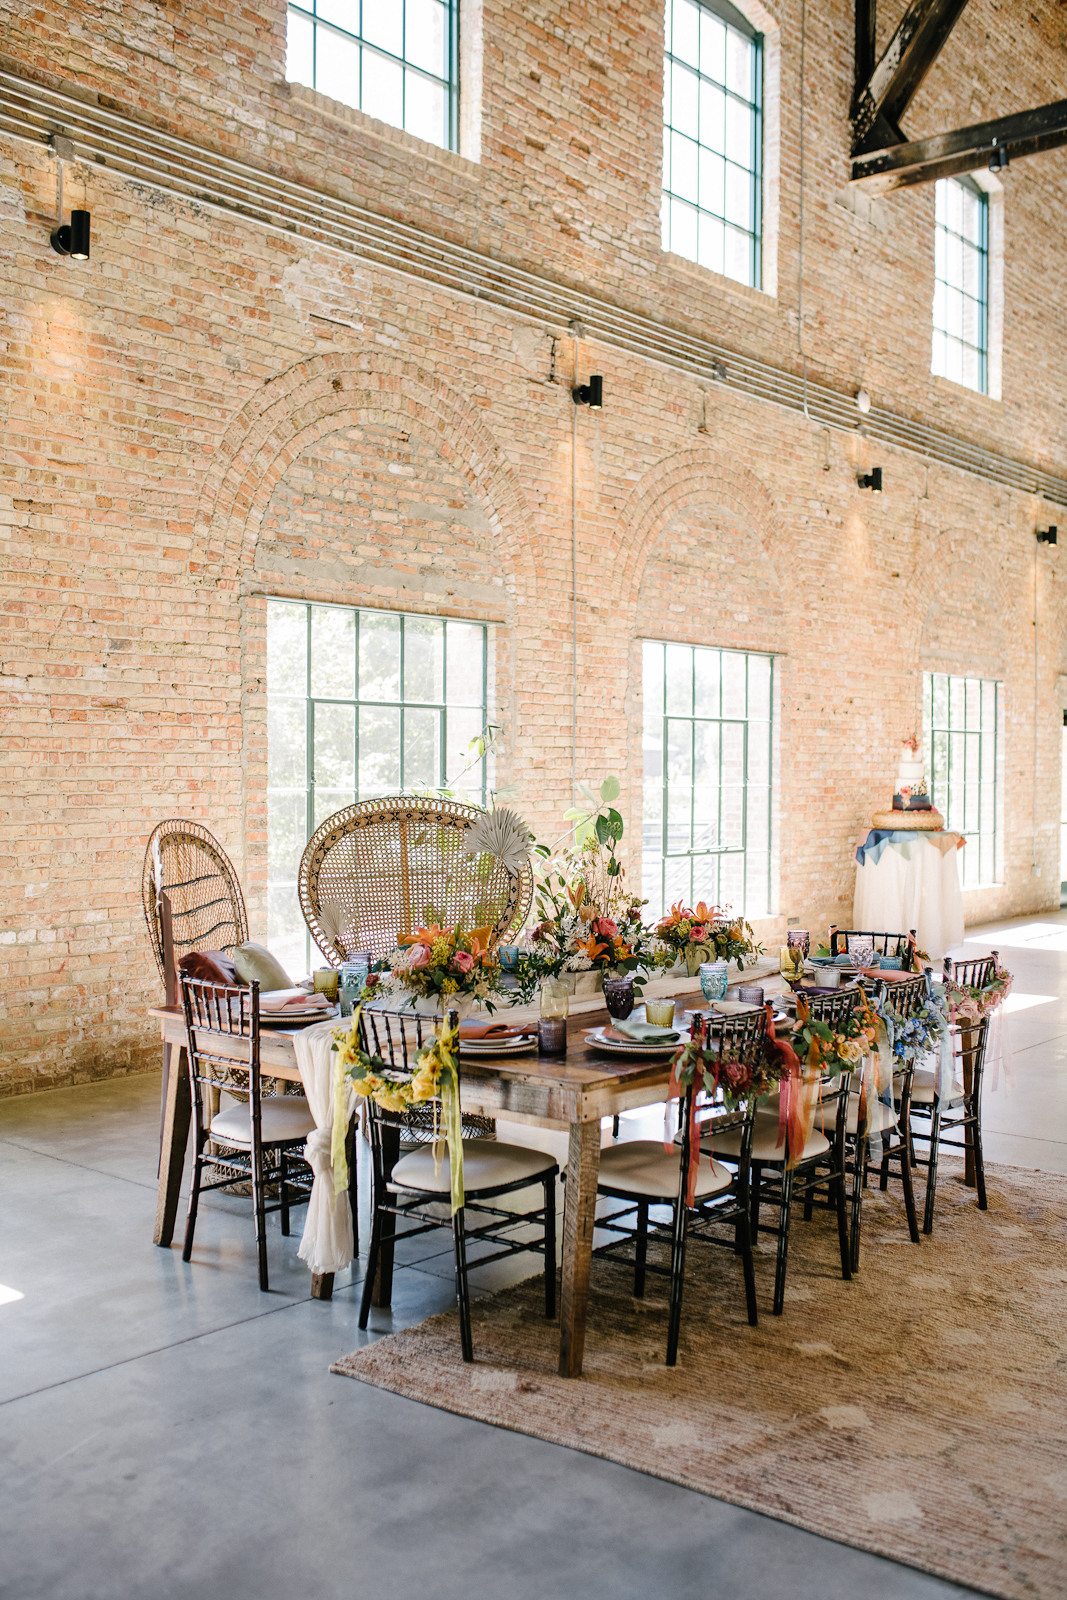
x=207 y=412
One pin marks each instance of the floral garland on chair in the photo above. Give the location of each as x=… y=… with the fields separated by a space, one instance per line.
x=912 y=1037
x=736 y=1081
x=436 y=1078
x=969 y=1003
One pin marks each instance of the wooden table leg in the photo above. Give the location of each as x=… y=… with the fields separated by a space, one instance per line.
x=322 y=1286
x=583 y=1168
x=176 y=1119
x=383 y=1278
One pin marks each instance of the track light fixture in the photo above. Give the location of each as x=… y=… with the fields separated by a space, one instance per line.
x=1046 y=535
x=998 y=158
x=871 y=480
x=590 y=394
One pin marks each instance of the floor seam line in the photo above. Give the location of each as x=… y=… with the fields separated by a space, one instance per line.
x=79 y=1166
x=143 y=1355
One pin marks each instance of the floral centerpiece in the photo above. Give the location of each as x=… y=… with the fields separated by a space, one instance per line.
x=700 y=933
x=437 y=969
x=588 y=922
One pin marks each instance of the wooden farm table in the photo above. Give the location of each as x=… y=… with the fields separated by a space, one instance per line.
x=571 y=1092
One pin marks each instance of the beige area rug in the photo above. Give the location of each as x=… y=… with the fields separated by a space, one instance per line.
x=919 y=1411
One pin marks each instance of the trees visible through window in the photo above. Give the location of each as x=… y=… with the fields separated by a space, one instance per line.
x=961 y=726
x=707 y=777
x=395 y=59
x=961 y=283
x=712 y=138
x=359 y=704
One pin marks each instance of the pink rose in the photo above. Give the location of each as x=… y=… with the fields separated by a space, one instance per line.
x=462 y=961
x=697 y=935
x=606 y=928
x=419 y=957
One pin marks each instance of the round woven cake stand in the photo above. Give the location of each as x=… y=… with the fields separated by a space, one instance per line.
x=909 y=821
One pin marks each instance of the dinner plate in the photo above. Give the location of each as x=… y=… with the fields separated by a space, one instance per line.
x=496 y=1047
x=301 y=1020
x=632 y=1047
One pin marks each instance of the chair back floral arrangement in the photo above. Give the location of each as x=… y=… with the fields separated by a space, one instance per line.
x=442 y=964
x=968 y=1005
x=587 y=918
x=698 y=1064
x=705 y=933
x=912 y=1037
x=436 y=1078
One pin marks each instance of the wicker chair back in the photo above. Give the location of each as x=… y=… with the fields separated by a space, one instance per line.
x=187 y=864
x=385 y=867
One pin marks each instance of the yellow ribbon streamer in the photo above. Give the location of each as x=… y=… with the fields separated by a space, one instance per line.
x=339 y=1128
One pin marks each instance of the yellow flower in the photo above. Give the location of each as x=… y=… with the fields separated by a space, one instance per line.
x=424 y=1083
x=392 y=1099
x=363 y=1086
x=440 y=951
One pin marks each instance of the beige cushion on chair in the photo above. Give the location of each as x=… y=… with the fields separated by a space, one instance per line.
x=882 y=1117
x=284 y=1117
x=765 y=1146
x=643 y=1167
x=486 y=1165
x=924 y=1088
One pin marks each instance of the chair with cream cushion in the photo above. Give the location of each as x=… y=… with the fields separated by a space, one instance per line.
x=643 y=1174
x=929 y=1118
x=222 y=1028
x=417 y=1187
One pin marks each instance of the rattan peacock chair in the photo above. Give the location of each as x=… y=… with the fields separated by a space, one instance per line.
x=384 y=867
x=207 y=909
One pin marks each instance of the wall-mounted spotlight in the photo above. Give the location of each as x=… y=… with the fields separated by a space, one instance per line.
x=590 y=394
x=871 y=480
x=998 y=158
x=863 y=401
x=72 y=239
x=68 y=238
x=1046 y=535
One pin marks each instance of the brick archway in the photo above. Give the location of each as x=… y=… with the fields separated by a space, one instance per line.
x=691 y=478
x=327 y=393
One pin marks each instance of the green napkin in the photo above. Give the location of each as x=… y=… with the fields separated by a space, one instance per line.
x=644 y=1032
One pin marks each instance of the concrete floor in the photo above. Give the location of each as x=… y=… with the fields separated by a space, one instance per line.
x=168 y=1431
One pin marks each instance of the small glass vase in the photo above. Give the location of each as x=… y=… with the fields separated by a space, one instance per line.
x=714 y=976
x=619 y=996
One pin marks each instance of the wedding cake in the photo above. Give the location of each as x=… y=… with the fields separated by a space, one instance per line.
x=911 y=802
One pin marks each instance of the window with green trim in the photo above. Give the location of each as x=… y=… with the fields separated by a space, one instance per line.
x=707 y=777
x=360 y=703
x=964 y=762
x=961 y=283
x=713 y=137
x=394 y=59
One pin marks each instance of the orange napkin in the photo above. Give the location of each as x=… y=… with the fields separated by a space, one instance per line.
x=496 y=1030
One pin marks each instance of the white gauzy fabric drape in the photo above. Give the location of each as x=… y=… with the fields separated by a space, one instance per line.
x=328 y=1242
x=913 y=887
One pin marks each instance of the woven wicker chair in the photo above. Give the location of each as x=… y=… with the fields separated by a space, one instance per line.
x=185 y=863
x=384 y=867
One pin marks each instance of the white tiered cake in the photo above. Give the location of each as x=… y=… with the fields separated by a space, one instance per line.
x=911 y=802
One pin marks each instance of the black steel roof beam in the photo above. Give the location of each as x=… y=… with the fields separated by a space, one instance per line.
x=1024 y=133
x=882 y=98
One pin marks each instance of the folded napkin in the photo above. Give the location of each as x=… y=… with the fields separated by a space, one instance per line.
x=641 y=1033
x=278 y=1001
x=497 y=1030
x=733 y=1008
